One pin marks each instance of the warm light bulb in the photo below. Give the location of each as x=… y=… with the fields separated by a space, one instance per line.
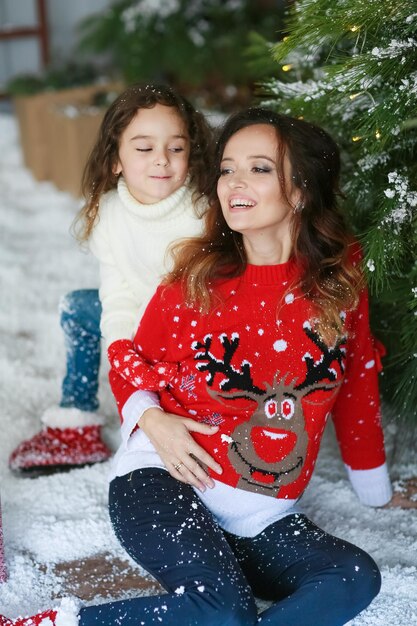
x=354 y=28
x=286 y=68
x=354 y=95
x=378 y=134
x=356 y=138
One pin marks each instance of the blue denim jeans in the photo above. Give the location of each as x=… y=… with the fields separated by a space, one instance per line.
x=210 y=577
x=80 y=320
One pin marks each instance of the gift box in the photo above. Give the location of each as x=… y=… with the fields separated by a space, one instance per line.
x=34 y=113
x=73 y=130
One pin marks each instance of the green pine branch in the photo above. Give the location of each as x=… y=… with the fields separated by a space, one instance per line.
x=350 y=66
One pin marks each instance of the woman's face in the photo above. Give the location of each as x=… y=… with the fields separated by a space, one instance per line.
x=249 y=187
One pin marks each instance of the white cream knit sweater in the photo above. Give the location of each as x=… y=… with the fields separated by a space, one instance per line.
x=130 y=241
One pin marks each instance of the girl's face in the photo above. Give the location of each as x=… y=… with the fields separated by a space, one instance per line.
x=249 y=187
x=153 y=154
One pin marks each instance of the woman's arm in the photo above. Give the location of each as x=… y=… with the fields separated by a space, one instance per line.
x=170 y=434
x=129 y=364
x=357 y=414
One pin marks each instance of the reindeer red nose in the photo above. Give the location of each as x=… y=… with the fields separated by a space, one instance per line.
x=272 y=444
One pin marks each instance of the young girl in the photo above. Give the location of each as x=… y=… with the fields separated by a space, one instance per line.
x=142 y=182
x=262 y=329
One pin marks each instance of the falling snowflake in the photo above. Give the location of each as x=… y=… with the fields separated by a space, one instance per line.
x=370 y=265
x=280 y=345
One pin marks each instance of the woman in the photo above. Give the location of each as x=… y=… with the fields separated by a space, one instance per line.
x=261 y=330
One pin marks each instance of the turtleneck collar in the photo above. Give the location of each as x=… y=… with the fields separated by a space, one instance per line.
x=270 y=274
x=168 y=209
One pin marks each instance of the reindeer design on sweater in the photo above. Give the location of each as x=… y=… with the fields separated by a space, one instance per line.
x=268 y=451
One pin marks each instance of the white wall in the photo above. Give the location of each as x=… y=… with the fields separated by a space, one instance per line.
x=22 y=55
x=17 y=55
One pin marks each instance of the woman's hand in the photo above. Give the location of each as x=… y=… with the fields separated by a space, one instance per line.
x=181 y=454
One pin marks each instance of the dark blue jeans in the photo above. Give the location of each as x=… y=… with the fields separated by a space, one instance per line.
x=80 y=320
x=312 y=578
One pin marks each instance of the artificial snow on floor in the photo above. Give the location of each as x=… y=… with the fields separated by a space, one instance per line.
x=62 y=518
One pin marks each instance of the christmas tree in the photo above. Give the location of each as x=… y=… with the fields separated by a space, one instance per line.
x=198 y=45
x=351 y=66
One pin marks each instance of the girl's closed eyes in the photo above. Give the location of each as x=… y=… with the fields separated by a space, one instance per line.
x=175 y=149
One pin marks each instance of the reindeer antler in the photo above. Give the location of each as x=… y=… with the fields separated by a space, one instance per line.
x=241 y=380
x=321 y=370
x=234 y=379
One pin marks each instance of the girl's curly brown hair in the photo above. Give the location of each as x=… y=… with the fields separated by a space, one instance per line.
x=99 y=177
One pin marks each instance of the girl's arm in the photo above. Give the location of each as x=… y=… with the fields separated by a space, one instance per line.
x=357 y=413
x=120 y=307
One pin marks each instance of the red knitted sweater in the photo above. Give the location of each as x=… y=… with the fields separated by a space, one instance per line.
x=256 y=367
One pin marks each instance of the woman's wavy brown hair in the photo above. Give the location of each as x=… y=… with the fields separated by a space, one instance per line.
x=99 y=177
x=322 y=243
